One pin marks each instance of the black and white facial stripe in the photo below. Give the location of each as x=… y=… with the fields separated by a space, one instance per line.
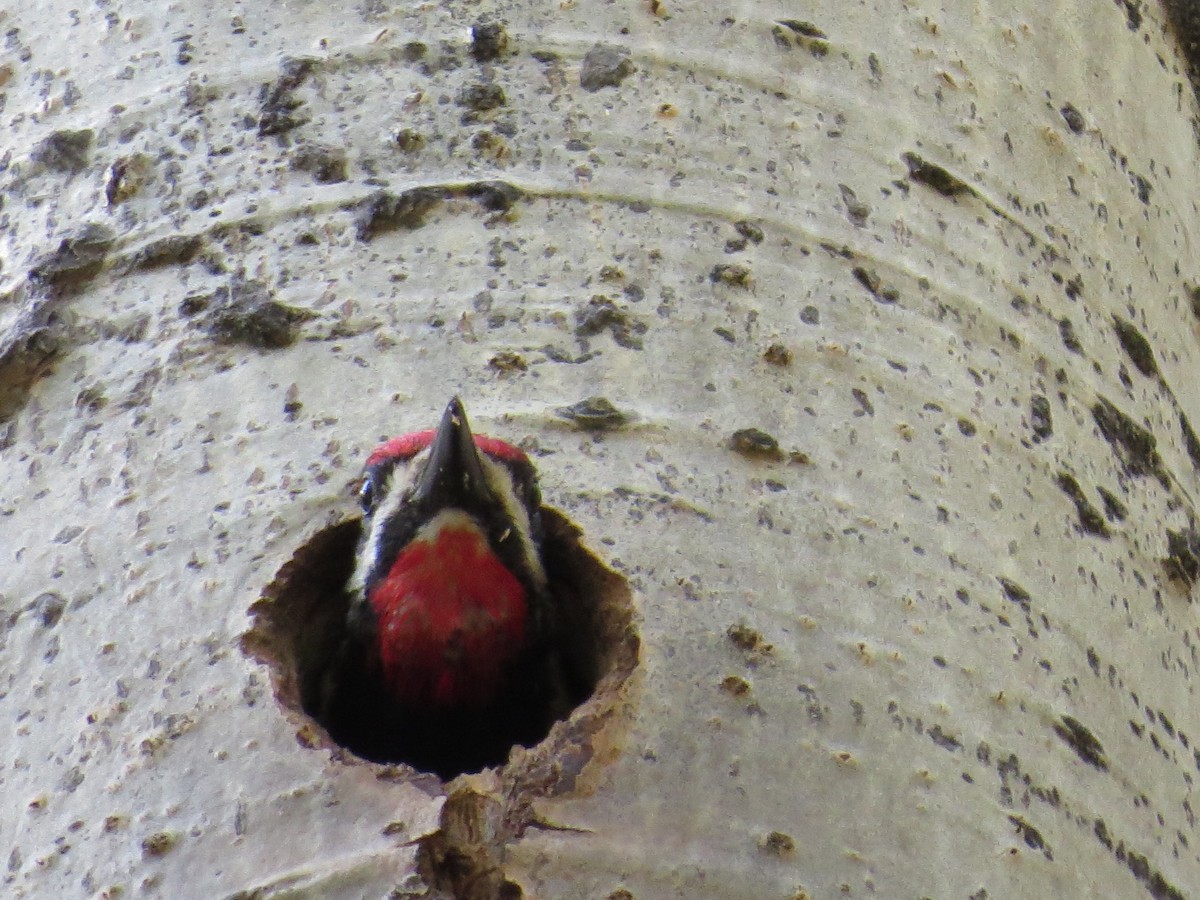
x=507 y=512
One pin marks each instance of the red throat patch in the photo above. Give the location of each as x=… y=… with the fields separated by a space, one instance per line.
x=450 y=617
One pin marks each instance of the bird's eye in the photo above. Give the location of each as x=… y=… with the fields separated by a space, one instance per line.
x=366 y=495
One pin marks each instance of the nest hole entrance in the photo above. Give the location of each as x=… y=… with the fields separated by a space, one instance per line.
x=299 y=629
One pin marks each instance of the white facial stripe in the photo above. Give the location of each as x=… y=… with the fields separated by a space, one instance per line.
x=500 y=480
x=389 y=496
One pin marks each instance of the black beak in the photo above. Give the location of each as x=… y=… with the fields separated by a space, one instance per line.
x=453 y=475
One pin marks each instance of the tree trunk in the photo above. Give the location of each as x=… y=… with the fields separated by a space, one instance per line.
x=893 y=318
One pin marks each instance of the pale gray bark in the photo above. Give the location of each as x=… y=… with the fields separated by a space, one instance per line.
x=939 y=643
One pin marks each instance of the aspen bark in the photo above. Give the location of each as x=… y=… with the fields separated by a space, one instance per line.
x=859 y=343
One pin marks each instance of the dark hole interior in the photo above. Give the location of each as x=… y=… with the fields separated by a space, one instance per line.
x=300 y=622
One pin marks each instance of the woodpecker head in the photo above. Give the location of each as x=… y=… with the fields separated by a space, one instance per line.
x=449 y=577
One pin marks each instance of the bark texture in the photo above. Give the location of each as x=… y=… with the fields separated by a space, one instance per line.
x=858 y=340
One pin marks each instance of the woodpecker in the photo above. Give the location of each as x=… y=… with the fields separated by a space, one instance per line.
x=450 y=652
